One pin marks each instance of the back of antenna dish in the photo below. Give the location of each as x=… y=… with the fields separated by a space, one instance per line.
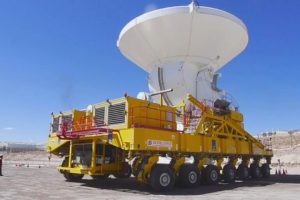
x=182 y=48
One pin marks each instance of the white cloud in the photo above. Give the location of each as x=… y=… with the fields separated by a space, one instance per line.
x=8 y=128
x=150 y=7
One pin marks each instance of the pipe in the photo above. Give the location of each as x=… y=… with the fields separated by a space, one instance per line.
x=161 y=92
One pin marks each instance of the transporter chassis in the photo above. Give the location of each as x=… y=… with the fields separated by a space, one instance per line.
x=211 y=147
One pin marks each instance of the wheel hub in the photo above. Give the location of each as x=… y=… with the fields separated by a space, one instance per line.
x=257 y=171
x=164 y=179
x=231 y=174
x=192 y=177
x=246 y=172
x=214 y=175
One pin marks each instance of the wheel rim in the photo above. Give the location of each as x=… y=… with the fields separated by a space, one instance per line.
x=246 y=172
x=214 y=175
x=268 y=171
x=231 y=174
x=257 y=171
x=192 y=177
x=164 y=179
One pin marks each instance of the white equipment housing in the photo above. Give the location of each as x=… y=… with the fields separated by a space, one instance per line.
x=182 y=48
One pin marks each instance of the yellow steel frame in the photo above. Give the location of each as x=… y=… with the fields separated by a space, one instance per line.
x=215 y=136
x=93 y=169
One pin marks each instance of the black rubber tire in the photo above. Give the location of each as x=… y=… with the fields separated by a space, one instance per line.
x=255 y=171
x=210 y=174
x=189 y=175
x=73 y=177
x=242 y=172
x=265 y=170
x=100 y=177
x=229 y=173
x=162 y=178
x=126 y=172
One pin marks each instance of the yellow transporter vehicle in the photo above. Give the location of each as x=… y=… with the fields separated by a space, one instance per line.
x=130 y=135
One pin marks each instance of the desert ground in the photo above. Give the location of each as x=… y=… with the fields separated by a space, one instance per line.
x=31 y=175
x=41 y=180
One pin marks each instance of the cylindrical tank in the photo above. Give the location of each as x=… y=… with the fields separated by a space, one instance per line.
x=182 y=48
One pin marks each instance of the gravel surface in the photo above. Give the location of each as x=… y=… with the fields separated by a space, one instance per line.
x=48 y=183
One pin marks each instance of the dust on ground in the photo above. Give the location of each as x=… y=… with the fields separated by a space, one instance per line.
x=47 y=183
x=31 y=175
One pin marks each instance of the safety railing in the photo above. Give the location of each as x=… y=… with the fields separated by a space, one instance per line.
x=83 y=126
x=149 y=117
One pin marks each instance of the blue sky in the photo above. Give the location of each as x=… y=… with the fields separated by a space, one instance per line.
x=61 y=54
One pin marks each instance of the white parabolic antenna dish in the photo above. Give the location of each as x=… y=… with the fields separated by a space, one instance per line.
x=197 y=37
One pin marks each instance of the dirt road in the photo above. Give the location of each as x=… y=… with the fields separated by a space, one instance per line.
x=47 y=183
